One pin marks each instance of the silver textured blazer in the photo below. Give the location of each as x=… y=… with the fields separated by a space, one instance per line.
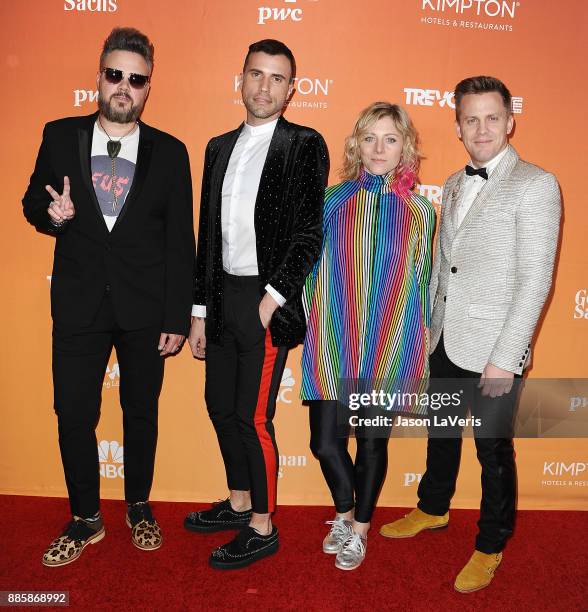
x=491 y=276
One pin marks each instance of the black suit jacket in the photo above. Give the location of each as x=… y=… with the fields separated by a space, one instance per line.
x=288 y=225
x=148 y=257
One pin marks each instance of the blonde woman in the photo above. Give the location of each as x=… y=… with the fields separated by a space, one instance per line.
x=367 y=308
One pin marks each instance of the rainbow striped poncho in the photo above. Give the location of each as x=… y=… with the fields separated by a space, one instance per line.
x=367 y=299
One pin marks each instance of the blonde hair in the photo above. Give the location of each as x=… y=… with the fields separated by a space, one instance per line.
x=407 y=169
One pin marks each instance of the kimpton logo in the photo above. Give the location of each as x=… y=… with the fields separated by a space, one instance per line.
x=111 y=458
x=305 y=86
x=497 y=15
x=479 y=8
x=311 y=90
x=562 y=474
x=560 y=468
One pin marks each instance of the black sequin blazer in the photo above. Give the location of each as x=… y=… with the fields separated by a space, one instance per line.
x=288 y=225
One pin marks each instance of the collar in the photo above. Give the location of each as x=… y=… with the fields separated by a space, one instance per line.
x=260 y=130
x=376 y=182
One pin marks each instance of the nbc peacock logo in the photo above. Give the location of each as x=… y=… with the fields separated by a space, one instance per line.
x=112 y=376
x=111 y=458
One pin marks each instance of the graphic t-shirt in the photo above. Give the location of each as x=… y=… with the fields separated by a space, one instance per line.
x=124 y=170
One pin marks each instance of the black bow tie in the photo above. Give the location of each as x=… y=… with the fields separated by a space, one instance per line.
x=477 y=171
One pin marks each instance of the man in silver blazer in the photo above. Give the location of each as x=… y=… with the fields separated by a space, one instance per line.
x=491 y=276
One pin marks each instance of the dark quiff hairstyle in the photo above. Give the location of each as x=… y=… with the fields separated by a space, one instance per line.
x=480 y=85
x=128 y=39
x=272 y=47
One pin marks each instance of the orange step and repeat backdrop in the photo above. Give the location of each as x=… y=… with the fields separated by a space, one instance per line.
x=349 y=54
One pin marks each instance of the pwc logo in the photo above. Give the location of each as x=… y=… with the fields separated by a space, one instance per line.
x=91 y=6
x=286 y=386
x=84 y=95
x=577 y=403
x=411 y=478
x=286 y=11
x=111 y=458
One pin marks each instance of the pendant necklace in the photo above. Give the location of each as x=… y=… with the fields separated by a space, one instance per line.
x=113 y=148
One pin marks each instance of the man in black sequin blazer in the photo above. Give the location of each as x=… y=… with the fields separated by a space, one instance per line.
x=259 y=235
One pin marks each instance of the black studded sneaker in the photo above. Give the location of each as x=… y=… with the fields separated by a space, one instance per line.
x=248 y=547
x=220 y=517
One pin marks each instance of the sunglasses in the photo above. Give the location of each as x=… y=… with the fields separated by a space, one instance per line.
x=114 y=77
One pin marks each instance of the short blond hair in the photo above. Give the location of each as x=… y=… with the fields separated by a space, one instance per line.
x=407 y=169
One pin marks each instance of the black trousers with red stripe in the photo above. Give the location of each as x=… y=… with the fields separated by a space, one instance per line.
x=243 y=375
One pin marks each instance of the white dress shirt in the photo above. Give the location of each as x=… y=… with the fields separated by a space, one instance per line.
x=471 y=187
x=239 y=193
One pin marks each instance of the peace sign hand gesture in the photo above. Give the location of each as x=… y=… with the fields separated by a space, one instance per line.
x=61 y=208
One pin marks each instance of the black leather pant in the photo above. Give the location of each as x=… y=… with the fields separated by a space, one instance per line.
x=496 y=456
x=352 y=485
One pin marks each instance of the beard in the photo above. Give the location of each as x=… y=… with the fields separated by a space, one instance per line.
x=110 y=112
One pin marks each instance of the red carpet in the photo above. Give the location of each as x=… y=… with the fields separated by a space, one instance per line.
x=545 y=565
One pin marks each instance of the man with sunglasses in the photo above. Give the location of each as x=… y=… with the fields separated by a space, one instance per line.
x=117 y=195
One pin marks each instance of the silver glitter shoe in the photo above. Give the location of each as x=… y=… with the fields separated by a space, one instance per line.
x=352 y=552
x=340 y=530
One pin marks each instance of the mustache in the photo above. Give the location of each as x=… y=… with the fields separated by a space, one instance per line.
x=121 y=94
